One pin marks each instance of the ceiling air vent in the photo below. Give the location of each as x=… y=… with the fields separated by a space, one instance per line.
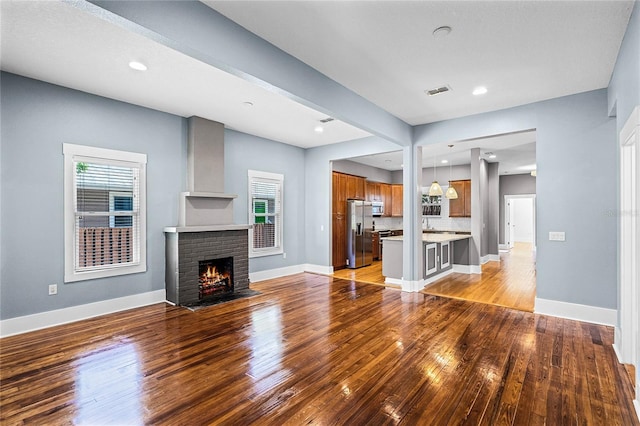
x=327 y=120
x=437 y=91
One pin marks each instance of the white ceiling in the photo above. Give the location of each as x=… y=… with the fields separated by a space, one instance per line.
x=60 y=44
x=515 y=153
x=382 y=50
x=522 y=51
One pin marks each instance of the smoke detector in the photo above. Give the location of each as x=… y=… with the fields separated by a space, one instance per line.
x=438 y=90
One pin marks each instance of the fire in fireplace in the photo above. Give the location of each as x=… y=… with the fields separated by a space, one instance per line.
x=215 y=277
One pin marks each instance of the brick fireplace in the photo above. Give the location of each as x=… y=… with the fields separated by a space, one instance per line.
x=186 y=251
x=206 y=255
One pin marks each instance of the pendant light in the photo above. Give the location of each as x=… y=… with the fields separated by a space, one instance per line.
x=451 y=193
x=435 y=190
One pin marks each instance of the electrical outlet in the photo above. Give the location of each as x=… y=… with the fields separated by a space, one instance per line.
x=556 y=236
x=284 y=255
x=53 y=289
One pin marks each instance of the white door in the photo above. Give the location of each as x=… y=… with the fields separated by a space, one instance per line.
x=522 y=223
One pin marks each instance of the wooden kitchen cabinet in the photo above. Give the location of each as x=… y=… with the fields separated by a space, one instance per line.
x=461 y=207
x=373 y=191
x=344 y=186
x=396 y=200
x=355 y=187
x=386 y=198
x=375 y=245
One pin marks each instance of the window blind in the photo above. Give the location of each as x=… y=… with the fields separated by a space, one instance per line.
x=107 y=214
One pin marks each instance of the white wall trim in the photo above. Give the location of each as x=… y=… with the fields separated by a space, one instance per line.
x=490 y=258
x=437 y=277
x=393 y=281
x=467 y=269
x=503 y=247
x=270 y=274
x=574 y=311
x=275 y=273
x=318 y=269
x=412 y=286
x=24 y=324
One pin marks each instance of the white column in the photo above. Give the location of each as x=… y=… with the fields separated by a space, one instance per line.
x=475 y=245
x=412 y=250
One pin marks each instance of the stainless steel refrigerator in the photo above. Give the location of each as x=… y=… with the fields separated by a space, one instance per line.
x=359 y=230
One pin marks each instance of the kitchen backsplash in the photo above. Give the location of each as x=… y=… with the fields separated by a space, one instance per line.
x=453 y=223
x=446 y=223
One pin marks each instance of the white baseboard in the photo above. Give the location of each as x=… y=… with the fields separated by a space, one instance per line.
x=467 y=269
x=437 y=277
x=270 y=274
x=394 y=281
x=617 y=337
x=412 y=286
x=318 y=269
x=19 y=325
x=275 y=273
x=636 y=403
x=503 y=247
x=490 y=258
x=574 y=311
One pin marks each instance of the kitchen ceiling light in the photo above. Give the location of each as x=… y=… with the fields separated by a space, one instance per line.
x=138 y=66
x=318 y=129
x=451 y=193
x=435 y=189
x=444 y=161
x=479 y=90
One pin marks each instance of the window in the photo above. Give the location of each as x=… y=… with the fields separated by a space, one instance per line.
x=265 y=213
x=105 y=212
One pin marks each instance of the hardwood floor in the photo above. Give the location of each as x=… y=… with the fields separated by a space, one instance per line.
x=510 y=283
x=371 y=274
x=313 y=349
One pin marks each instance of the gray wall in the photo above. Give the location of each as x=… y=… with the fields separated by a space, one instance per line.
x=575 y=148
x=243 y=152
x=37 y=118
x=371 y=173
x=493 y=182
x=513 y=185
x=461 y=172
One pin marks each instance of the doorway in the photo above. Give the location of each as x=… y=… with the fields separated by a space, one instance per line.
x=520 y=220
x=629 y=337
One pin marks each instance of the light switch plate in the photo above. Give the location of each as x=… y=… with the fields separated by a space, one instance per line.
x=556 y=236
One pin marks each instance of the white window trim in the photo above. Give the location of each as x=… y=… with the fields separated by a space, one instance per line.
x=279 y=249
x=71 y=151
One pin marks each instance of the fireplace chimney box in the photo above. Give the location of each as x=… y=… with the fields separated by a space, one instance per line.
x=205 y=156
x=205 y=202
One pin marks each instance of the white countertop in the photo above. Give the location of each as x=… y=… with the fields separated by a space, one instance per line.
x=433 y=238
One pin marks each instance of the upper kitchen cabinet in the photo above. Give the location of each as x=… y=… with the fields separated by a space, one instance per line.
x=373 y=191
x=461 y=206
x=396 y=200
x=386 y=198
x=355 y=187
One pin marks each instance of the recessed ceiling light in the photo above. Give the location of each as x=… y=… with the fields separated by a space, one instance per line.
x=247 y=104
x=138 y=66
x=492 y=156
x=442 y=31
x=444 y=161
x=318 y=129
x=481 y=90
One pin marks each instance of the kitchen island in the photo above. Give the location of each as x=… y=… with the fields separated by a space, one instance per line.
x=441 y=251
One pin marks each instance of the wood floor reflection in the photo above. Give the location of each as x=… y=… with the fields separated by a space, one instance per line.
x=313 y=349
x=510 y=283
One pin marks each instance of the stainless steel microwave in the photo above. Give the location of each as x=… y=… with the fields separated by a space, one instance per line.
x=377 y=208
